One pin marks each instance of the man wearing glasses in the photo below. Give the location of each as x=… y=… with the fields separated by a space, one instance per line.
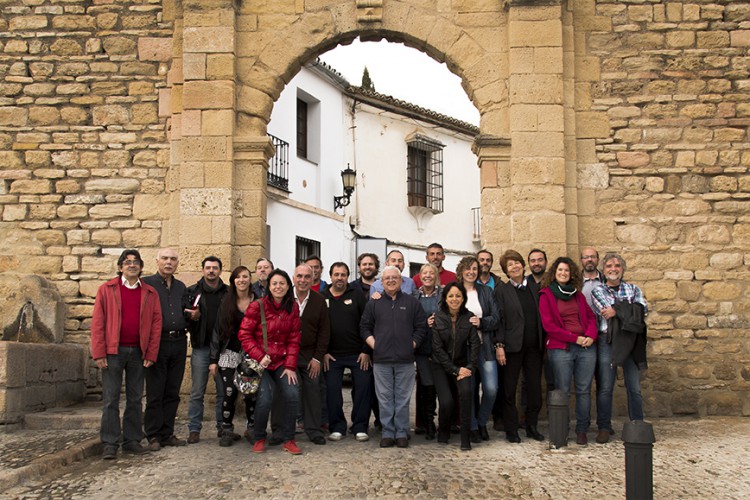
x=591 y=274
x=125 y=335
x=393 y=327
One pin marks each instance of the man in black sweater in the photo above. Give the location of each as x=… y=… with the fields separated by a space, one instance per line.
x=204 y=299
x=346 y=350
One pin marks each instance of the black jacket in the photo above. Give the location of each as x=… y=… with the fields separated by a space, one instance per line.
x=490 y=321
x=627 y=333
x=199 y=330
x=453 y=351
x=395 y=323
x=345 y=313
x=510 y=332
x=217 y=345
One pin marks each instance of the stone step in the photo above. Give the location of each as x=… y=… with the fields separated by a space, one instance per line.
x=82 y=416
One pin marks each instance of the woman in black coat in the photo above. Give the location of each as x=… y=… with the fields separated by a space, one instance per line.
x=520 y=340
x=455 y=348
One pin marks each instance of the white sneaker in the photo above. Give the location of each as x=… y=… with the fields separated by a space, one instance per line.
x=362 y=436
x=335 y=436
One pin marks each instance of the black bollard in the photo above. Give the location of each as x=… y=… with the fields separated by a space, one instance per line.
x=639 y=470
x=559 y=418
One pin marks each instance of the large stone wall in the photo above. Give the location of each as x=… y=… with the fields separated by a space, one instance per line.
x=83 y=142
x=663 y=96
x=615 y=123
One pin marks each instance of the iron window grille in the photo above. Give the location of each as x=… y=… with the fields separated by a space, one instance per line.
x=424 y=173
x=305 y=248
x=278 y=170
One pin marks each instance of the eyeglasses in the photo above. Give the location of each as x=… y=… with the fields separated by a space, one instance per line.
x=131 y=262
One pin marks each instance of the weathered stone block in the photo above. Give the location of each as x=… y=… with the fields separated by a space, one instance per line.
x=110 y=115
x=119 y=45
x=141 y=237
x=73 y=23
x=217 y=94
x=155 y=49
x=721 y=290
x=208 y=39
x=112 y=185
x=106 y=237
x=28 y=186
x=13 y=116
x=110 y=211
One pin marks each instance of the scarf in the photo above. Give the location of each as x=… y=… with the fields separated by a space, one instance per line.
x=562 y=292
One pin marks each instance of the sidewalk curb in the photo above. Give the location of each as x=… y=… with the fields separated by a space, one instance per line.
x=48 y=463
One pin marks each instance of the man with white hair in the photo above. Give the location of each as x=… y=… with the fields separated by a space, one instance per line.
x=610 y=300
x=393 y=327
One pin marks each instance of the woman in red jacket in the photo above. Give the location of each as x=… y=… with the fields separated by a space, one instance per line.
x=571 y=336
x=278 y=355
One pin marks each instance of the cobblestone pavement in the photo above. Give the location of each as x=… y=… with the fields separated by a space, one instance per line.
x=20 y=448
x=692 y=459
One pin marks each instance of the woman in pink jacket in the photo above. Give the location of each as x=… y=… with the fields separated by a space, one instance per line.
x=571 y=336
x=279 y=358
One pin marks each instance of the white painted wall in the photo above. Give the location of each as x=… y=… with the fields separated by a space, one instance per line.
x=379 y=205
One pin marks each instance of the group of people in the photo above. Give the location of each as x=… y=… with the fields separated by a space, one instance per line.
x=463 y=338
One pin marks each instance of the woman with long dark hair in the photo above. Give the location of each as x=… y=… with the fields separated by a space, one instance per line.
x=277 y=354
x=571 y=336
x=481 y=301
x=455 y=348
x=226 y=350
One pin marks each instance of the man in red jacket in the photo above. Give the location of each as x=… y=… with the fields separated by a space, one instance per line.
x=125 y=335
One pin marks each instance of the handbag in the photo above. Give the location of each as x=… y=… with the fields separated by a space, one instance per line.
x=248 y=374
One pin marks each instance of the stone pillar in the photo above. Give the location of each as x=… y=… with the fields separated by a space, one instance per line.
x=251 y=156
x=202 y=133
x=493 y=155
x=536 y=174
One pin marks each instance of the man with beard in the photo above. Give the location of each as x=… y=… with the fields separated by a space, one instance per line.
x=204 y=299
x=346 y=350
x=436 y=255
x=486 y=276
x=369 y=265
x=537 y=264
x=263 y=268
x=611 y=299
x=592 y=277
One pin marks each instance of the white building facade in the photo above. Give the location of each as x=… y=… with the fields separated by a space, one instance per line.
x=417 y=180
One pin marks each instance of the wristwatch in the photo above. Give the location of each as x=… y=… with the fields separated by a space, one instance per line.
x=499 y=345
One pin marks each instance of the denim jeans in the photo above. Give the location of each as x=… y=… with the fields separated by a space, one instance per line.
x=130 y=361
x=579 y=364
x=605 y=383
x=361 y=395
x=289 y=393
x=394 y=383
x=199 y=371
x=488 y=379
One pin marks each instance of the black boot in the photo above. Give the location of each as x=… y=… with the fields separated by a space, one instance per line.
x=533 y=433
x=429 y=405
x=465 y=439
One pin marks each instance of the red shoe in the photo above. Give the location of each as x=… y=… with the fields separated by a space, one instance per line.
x=259 y=446
x=292 y=447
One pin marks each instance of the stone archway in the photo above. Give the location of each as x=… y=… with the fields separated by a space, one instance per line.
x=236 y=58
